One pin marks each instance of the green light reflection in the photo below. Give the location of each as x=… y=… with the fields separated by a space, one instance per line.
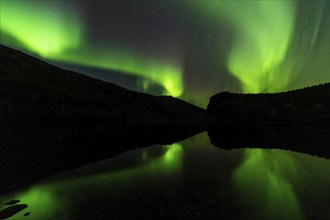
x=35 y=198
x=267 y=178
x=43 y=199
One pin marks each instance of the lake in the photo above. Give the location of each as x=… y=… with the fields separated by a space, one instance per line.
x=189 y=179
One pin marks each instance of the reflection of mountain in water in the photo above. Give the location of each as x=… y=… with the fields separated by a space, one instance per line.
x=311 y=139
x=32 y=152
x=296 y=120
x=166 y=181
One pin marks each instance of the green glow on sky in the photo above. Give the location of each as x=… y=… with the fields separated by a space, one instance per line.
x=264 y=178
x=165 y=74
x=262 y=33
x=275 y=45
x=40 y=28
x=57 y=34
x=261 y=44
x=240 y=46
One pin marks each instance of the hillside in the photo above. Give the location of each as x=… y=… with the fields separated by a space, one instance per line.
x=309 y=105
x=35 y=91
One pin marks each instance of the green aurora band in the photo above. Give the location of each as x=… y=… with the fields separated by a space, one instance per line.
x=274 y=42
x=56 y=33
x=274 y=45
x=39 y=27
x=164 y=74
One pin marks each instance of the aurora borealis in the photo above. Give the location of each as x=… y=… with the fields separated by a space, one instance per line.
x=38 y=29
x=262 y=34
x=186 y=49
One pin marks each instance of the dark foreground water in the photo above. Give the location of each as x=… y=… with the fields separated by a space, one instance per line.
x=191 y=179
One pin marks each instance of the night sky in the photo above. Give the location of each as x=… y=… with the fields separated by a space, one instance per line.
x=187 y=49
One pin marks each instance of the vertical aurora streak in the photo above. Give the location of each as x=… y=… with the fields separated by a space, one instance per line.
x=261 y=44
x=262 y=33
x=275 y=45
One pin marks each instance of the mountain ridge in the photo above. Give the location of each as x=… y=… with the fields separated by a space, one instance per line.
x=309 y=105
x=35 y=91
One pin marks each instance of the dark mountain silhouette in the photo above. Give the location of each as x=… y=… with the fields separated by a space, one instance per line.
x=35 y=91
x=308 y=105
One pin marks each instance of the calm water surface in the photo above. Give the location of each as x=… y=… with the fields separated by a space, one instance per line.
x=190 y=179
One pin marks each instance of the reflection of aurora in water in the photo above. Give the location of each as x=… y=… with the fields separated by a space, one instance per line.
x=45 y=198
x=264 y=178
x=268 y=184
x=276 y=180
